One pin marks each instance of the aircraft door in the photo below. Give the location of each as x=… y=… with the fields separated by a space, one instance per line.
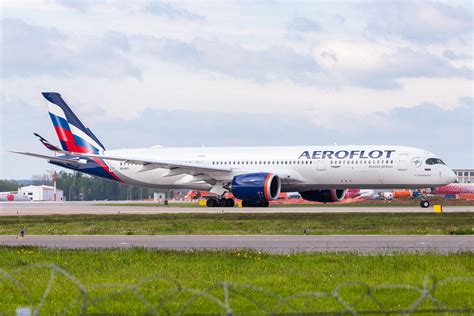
x=402 y=162
x=320 y=165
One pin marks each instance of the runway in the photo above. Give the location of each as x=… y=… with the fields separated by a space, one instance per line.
x=74 y=208
x=277 y=244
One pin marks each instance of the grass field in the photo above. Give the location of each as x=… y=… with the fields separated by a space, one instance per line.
x=140 y=281
x=241 y=223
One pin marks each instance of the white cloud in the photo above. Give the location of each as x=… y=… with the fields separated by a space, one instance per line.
x=420 y=21
x=166 y=9
x=371 y=65
x=303 y=24
x=115 y=62
x=29 y=50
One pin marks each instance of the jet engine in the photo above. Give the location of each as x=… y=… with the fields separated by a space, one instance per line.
x=256 y=187
x=325 y=196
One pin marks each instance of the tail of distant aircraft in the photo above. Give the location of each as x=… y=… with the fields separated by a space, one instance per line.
x=72 y=133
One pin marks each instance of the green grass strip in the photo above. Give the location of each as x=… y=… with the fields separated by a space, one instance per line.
x=241 y=223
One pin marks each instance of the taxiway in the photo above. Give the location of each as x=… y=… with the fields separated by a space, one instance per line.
x=91 y=208
x=282 y=244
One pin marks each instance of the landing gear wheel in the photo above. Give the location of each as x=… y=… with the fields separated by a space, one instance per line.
x=265 y=204
x=223 y=203
x=245 y=204
x=230 y=202
x=211 y=203
x=425 y=204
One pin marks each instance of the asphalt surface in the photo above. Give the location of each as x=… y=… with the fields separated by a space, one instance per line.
x=74 y=208
x=270 y=244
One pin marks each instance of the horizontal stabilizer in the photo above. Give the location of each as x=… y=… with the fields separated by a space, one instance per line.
x=46 y=143
x=57 y=159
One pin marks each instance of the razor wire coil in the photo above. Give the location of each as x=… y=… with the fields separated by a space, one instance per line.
x=222 y=294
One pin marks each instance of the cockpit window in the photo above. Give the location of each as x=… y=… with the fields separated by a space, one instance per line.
x=434 y=161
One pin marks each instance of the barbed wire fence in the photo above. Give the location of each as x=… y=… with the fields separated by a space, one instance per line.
x=159 y=295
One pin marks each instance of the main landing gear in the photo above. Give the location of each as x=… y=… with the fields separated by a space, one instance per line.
x=222 y=202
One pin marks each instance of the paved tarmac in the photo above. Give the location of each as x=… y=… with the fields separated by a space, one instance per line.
x=74 y=208
x=282 y=244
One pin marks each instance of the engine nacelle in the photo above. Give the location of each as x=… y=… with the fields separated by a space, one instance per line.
x=325 y=196
x=256 y=187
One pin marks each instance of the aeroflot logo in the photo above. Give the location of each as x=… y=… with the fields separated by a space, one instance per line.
x=342 y=154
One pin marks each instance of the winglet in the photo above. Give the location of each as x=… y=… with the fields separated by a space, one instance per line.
x=46 y=143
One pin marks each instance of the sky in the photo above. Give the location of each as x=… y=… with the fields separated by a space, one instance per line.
x=225 y=73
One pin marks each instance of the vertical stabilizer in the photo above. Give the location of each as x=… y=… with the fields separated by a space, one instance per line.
x=72 y=133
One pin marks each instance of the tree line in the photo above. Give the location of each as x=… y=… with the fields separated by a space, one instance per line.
x=8 y=185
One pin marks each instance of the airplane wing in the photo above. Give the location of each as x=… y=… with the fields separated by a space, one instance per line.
x=174 y=168
x=58 y=159
x=150 y=163
x=200 y=172
x=209 y=174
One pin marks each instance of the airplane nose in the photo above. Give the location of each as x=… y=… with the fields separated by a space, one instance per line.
x=452 y=176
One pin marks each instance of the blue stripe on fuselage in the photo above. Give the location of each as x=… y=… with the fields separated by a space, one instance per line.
x=92 y=168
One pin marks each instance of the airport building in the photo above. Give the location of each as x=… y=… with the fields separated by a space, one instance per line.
x=42 y=193
x=464 y=175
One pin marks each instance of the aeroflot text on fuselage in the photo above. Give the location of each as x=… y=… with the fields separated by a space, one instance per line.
x=342 y=154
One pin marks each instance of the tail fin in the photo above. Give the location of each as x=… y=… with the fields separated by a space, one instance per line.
x=72 y=133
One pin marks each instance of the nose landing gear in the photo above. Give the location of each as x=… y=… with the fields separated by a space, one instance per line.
x=425 y=203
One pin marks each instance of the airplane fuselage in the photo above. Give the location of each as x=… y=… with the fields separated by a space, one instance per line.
x=316 y=167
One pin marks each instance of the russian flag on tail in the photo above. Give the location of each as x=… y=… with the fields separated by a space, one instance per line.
x=72 y=133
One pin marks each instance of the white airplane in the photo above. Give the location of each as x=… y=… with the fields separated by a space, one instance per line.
x=256 y=175
x=13 y=196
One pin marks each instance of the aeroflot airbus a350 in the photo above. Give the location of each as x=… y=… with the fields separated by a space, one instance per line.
x=256 y=175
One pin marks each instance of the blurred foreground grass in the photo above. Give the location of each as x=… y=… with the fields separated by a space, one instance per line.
x=139 y=281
